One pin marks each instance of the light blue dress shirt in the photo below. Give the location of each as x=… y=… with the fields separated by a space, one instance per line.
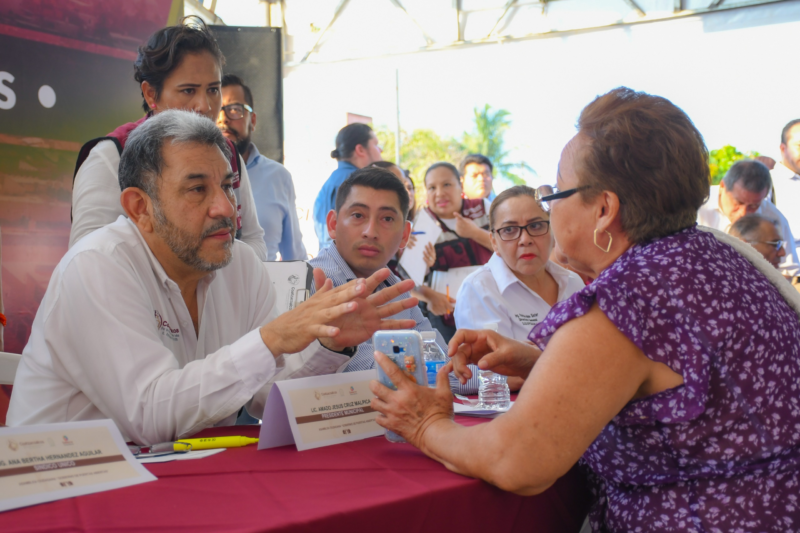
x=326 y=200
x=273 y=191
x=339 y=272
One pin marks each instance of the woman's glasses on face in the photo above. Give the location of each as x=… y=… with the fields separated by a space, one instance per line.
x=547 y=194
x=512 y=233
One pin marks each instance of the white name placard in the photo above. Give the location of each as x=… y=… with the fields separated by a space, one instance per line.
x=319 y=411
x=54 y=461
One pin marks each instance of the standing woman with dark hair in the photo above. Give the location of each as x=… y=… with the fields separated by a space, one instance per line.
x=180 y=67
x=356 y=147
x=464 y=241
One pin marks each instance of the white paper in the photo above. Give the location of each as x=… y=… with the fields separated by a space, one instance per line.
x=197 y=454
x=468 y=410
x=411 y=260
x=50 y=462
x=454 y=277
x=319 y=411
x=291 y=281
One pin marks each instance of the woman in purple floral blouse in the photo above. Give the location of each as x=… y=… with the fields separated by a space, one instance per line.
x=674 y=375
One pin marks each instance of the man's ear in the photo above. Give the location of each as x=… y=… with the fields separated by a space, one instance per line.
x=149 y=93
x=331 y=221
x=139 y=208
x=253 y=119
x=406 y=234
x=721 y=186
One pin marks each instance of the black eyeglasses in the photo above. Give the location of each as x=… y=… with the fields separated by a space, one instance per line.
x=512 y=233
x=235 y=111
x=547 y=194
x=777 y=244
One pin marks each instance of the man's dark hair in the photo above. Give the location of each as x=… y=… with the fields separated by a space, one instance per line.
x=166 y=48
x=348 y=138
x=142 y=160
x=449 y=166
x=748 y=227
x=786 y=128
x=473 y=159
x=375 y=178
x=754 y=176
x=233 y=79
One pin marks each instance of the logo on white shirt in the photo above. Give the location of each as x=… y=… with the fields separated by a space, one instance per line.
x=527 y=319
x=164 y=329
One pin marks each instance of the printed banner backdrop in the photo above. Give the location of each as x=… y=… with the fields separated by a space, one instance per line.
x=254 y=54
x=66 y=76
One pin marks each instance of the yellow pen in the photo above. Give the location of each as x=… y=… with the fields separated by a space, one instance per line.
x=213 y=442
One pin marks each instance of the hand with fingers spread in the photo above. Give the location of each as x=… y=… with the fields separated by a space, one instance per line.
x=371 y=313
x=411 y=409
x=490 y=351
x=294 y=330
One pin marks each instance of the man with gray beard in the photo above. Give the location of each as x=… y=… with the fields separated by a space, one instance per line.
x=162 y=321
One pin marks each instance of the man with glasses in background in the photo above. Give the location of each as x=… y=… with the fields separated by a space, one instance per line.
x=271 y=183
x=762 y=234
x=743 y=191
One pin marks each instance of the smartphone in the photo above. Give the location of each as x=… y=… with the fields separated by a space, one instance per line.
x=404 y=348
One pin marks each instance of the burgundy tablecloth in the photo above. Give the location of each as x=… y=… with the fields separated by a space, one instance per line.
x=369 y=485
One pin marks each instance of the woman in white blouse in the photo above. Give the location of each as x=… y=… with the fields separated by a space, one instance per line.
x=519 y=285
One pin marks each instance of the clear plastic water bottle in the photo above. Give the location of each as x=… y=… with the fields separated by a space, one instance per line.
x=493 y=393
x=433 y=355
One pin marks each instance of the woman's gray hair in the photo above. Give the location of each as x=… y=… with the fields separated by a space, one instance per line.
x=142 y=160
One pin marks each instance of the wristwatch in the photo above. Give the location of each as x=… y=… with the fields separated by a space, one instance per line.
x=350 y=351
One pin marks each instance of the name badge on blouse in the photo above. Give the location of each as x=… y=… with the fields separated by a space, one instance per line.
x=319 y=411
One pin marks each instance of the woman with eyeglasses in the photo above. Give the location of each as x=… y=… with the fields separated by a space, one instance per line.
x=673 y=375
x=180 y=67
x=519 y=285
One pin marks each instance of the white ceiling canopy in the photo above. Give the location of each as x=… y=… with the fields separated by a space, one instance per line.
x=325 y=31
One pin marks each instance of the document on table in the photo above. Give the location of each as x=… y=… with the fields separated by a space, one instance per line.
x=469 y=410
x=428 y=231
x=197 y=454
x=54 y=461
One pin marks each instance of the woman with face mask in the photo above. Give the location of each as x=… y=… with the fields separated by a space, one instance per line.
x=180 y=67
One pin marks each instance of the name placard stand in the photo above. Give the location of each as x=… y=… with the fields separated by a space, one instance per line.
x=319 y=411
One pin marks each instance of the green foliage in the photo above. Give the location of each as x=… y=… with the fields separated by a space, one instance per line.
x=422 y=148
x=719 y=161
x=489 y=139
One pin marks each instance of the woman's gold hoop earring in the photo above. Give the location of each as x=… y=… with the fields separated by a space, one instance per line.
x=610 y=239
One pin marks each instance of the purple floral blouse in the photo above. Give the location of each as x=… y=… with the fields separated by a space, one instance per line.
x=720 y=453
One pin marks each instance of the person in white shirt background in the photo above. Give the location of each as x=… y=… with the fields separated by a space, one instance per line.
x=762 y=234
x=743 y=191
x=519 y=285
x=164 y=323
x=786 y=177
x=180 y=67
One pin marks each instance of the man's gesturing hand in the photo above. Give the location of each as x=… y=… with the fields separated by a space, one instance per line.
x=340 y=317
x=371 y=313
x=490 y=351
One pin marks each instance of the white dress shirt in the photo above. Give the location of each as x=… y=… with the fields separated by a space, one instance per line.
x=113 y=338
x=787 y=196
x=711 y=215
x=95 y=198
x=494 y=294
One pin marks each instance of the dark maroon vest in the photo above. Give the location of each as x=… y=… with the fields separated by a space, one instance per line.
x=120 y=136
